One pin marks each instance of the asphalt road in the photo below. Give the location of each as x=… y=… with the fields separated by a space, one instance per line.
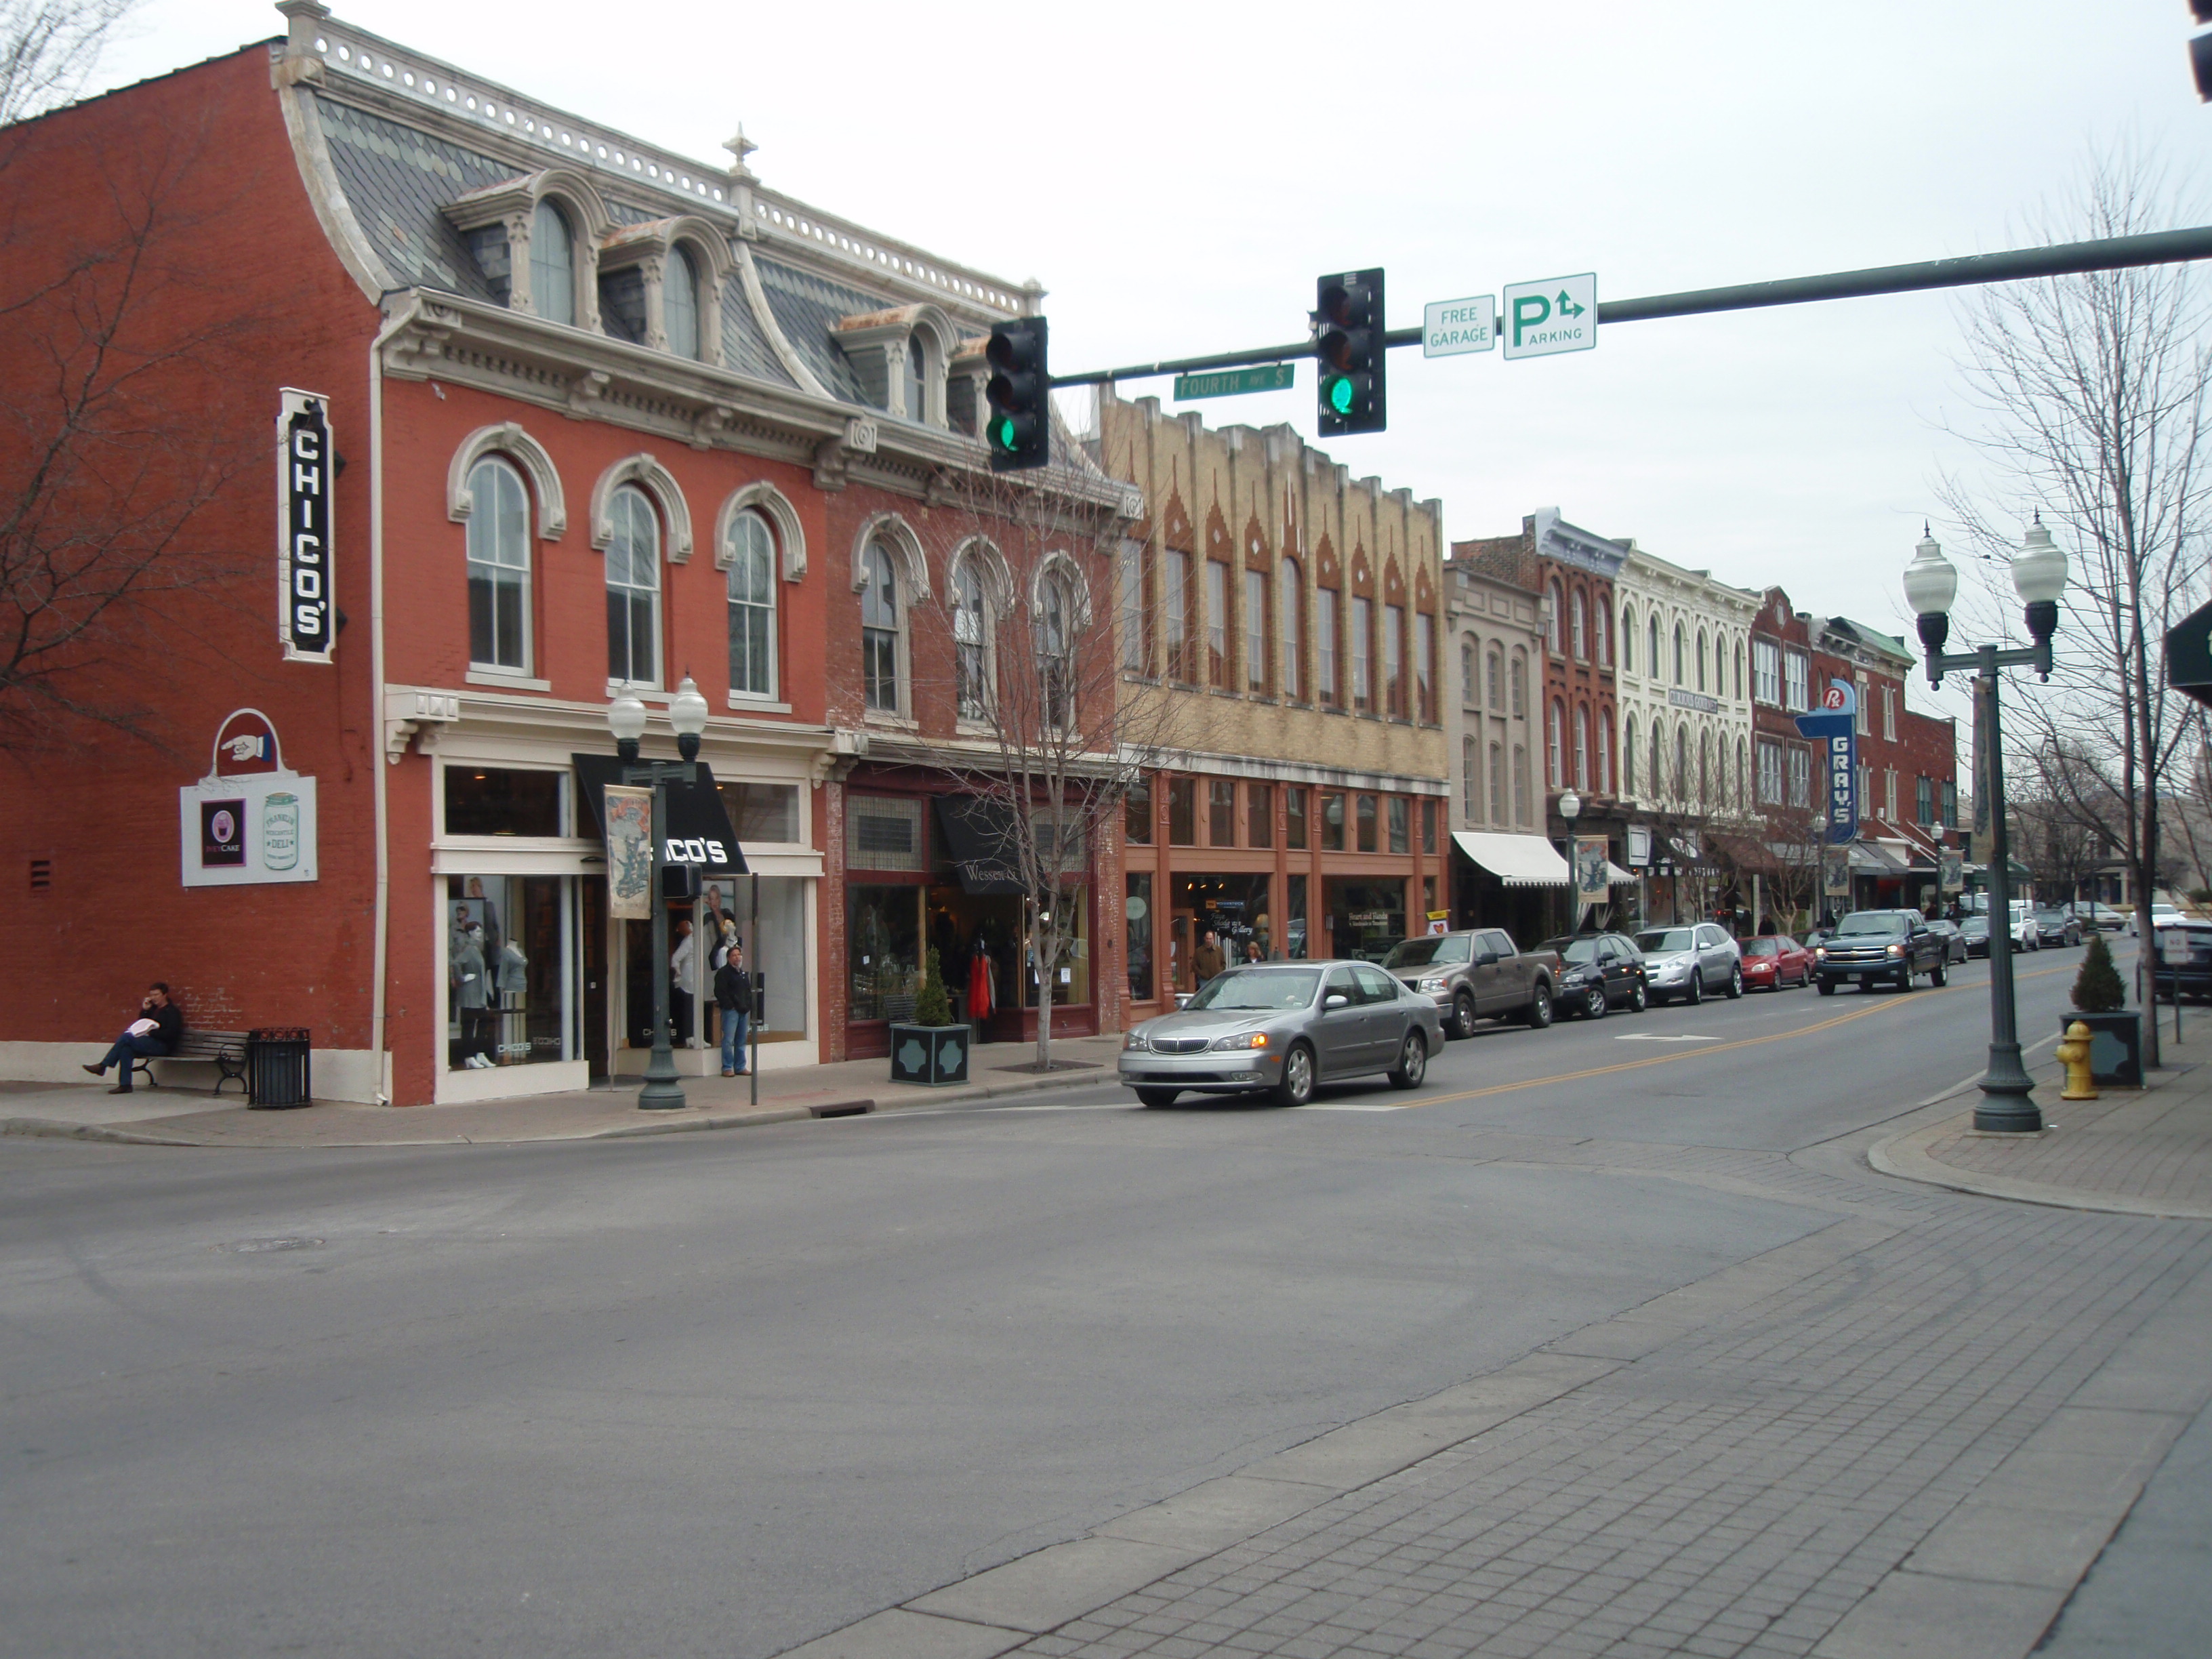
x=719 y=1394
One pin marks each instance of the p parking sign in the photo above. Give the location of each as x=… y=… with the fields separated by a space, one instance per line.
x=1542 y=319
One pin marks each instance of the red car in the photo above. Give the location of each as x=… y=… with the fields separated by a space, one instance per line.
x=1774 y=962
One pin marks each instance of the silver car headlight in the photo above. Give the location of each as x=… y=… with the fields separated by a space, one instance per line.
x=1241 y=1040
x=1135 y=1039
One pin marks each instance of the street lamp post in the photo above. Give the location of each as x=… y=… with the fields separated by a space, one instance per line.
x=2038 y=576
x=1570 y=808
x=687 y=713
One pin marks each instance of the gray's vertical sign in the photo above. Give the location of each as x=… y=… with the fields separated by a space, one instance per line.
x=306 y=602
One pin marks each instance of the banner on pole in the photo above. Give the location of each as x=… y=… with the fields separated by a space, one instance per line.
x=629 y=853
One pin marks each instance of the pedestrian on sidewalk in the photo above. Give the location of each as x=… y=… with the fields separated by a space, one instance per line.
x=154 y=1033
x=683 y=982
x=733 y=996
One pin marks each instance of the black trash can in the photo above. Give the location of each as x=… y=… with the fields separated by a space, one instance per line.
x=276 y=1068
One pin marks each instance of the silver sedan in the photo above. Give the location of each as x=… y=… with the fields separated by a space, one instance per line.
x=1283 y=1027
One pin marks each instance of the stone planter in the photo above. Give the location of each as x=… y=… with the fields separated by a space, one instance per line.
x=930 y=1053
x=2115 y=1045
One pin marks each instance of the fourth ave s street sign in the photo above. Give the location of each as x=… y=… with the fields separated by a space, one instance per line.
x=1544 y=318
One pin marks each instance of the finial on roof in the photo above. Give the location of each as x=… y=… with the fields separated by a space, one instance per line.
x=739 y=148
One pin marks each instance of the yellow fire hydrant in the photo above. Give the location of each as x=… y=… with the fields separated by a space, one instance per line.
x=2075 y=1054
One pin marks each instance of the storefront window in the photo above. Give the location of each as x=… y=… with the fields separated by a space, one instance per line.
x=1294 y=818
x=1331 y=823
x=1182 y=812
x=1258 y=815
x=1365 y=805
x=1221 y=812
x=1364 y=918
x=1294 y=920
x=1236 y=908
x=1070 y=972
x=506 y=970
x=761 y=813
x=1429 y=829
x=489 y=800
x=1137 y=814
x=1137 y=910
x=883 y=949
x=1400 y=840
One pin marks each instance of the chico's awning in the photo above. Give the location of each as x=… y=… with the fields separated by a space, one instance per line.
x=1517 y=860
x=695 y=811
x=980 y=837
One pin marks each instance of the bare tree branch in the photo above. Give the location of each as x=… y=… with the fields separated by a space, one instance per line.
x=49 y=49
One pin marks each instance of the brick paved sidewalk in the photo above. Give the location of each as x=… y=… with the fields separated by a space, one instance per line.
x=2143 y=1151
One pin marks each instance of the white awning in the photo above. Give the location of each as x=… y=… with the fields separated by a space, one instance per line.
x=1617 y=876
x=1518 y=860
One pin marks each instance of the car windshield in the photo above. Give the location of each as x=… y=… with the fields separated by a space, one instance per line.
x=1884 y=923
x=1259 y=990
x=1661 y=940
x=1581 y=948
x=1975 y=924
x=1761 y=947
x=1425 y=952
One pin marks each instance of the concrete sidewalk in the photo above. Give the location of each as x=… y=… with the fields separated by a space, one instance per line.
x=2136 y=1152
x=180 y=1117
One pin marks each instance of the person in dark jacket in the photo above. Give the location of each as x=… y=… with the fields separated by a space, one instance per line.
x=733 y=995
x=156 y=1032
x=1205 y=962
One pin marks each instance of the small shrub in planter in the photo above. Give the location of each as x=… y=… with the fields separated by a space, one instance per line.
x=2100 y=998
x=931 y=1049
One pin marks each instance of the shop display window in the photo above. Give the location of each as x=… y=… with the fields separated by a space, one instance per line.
x=1363 y=919
x=763 y=813
x=490 y=800
x=1294 y=919
x=507 y=976
x=1137 y=814
x=1428 y=827
x=1258 y=815
x=1182 y=812
x=1137 y=912
x=882 y=931
x=1367 y=814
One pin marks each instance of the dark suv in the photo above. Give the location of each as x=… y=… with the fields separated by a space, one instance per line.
x=1880 y=947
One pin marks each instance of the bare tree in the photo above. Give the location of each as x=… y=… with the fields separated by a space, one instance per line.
x=2093 y=388
x=1054 y=738
x=49 y=49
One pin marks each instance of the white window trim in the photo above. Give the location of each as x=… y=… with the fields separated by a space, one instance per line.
x=510 y=440
x=660 y=488
x=726 y=561
x=783 y=517
x=500 y=672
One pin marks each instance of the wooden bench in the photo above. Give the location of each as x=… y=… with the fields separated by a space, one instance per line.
x=225 y=1050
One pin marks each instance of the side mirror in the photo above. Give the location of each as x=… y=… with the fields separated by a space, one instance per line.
x=1485 y=958
x=1335 y=999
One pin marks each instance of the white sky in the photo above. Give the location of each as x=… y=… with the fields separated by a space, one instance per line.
x=1182 y=173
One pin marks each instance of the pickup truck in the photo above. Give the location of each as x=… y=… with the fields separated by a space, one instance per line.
x=1478 y=974
x=1880 y=947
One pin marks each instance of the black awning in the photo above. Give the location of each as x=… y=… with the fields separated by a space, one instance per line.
x=695 y=811
x=980 y=838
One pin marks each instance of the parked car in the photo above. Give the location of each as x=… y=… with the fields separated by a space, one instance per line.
x=2182 y=958
x=1775 y=962
x=2026 y=931
x=1598 y=972
x=1887 y=947
x=1974 y=932
x=1687 y=961
x=2105 y=917
x=2161 y=915
x=2057 y=926
x=1477 y=974
x=1956 y=941
x=1283 y=1027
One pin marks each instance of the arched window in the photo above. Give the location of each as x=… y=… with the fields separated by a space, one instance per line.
x=879 y=631
x=1682 y=763
x=1466 y=674
x=1702 y=686
x=633 y=589
x=1520 y=685
x=498 y=568
x=1627 y=756
x=1292 y=609
x=1553 y=621
x=1739 y=670
x=752 y=606
x=1055 y=652
x=1706 y=769
x=1582 y=749
x=1580 y=634
x=1681 y=654
x=1742 y=772
x=1627 y=639
x=917 y=379
x=1555 y=738
x=1654 y=665
x=679 y=302
x=1604 y=757
x=1493 y=672
x=971 y=643
x=552 y=264
x=1602 y=646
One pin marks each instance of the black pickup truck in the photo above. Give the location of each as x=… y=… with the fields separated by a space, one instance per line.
x=1880 y=947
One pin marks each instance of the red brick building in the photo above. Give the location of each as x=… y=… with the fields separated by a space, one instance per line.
x=599 y=419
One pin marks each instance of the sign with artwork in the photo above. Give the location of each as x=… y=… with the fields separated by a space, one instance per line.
x=1951 y=870
x=1593 y=869
x=306 y=598
x=629 y=853
x=247 y=826
x=1834 y=726
x=1836 y=873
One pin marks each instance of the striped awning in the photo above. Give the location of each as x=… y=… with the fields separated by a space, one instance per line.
x=1517 y=860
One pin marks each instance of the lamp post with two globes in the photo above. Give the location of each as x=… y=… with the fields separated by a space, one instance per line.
x=2038 y=576
x=687 y=714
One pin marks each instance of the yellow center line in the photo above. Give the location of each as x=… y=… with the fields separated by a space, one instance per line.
x=1702 y=1051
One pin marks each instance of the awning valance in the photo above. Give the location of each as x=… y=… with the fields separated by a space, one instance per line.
x=1617 y=876
x=1517 y=860
x=695 y=811
x=981 y=839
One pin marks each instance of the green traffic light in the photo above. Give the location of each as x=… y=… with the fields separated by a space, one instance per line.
x=1002 y=430
x=1341 y=394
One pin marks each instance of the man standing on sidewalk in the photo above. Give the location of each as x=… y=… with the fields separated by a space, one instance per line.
x=1205 y=962
x=733 y=995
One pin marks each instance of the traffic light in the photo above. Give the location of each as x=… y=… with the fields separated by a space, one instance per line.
x=1018 y=429
x=2200 y=49
x=1353 y=384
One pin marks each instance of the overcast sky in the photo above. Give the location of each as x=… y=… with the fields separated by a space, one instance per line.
x=1177 y=174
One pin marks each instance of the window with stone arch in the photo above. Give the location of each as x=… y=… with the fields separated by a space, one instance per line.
x=1055 y=649
x=1555 y=742
x=1493 y=680
x=552 y=263
x=882 y=622
x=1681 y=653
x=1702 y=654
x=1604 y=755
x=679 y=302
x=917 y=378
x=971 y=643
x=1600 y=643
x=1627 y=638
x=752 y=606
x=1627 y=756
x=1654 y=665
x=1520 y=685
x=1582 y=747
x=1292 y=611
x=1552 y=621
x=498 y=568
x=1682 y=763
x=1579 y=633
x=633 y=589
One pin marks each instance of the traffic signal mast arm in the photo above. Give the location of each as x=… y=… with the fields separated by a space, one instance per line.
x=2021 y=264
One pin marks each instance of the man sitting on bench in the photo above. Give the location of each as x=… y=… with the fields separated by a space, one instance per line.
x=160 y=1024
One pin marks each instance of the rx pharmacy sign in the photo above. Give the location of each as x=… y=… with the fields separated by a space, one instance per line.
x=1835 y=726
x=1544 y=318
x=307 y=600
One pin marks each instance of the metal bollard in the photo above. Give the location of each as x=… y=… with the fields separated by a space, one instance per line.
x=2074 y=1053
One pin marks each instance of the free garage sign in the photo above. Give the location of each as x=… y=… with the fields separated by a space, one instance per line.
x=1542 y=319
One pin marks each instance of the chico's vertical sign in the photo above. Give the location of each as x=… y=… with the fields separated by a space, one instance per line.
x=305 y=589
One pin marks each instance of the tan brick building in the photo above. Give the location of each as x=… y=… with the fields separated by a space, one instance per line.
x=1293 y=617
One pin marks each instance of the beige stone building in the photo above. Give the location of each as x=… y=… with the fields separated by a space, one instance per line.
x=1293 y=619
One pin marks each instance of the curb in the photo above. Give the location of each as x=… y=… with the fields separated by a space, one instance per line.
x=1905 y=1156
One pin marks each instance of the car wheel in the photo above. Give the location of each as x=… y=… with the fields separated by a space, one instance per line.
x=1412 y=1062
x=1594 y=1003
x=1159 y=1096
x=1540 y=1008
x=1941 y=976
x=1638 y=998
x=1462 y=1015
x=1297 y=1085
x=1905 y=977
x=1828 y=987
x=1735 y=982
x=1696 y=994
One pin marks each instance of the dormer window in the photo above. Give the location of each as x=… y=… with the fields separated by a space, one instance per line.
x=553 y=264
x=917 y=379
x=680 y=301
x=535 y=238
x=660 y=286
x=899 y=357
